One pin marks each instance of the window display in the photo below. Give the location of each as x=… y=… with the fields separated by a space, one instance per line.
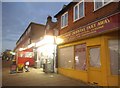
x=80 y=57
x=66 y=56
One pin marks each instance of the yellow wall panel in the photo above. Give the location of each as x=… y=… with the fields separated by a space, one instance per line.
x=80 y=75
x=102 y=76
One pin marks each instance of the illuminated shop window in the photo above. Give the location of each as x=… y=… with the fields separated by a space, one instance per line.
x=114 y=52
x=80 y=57
x=100 y=3
x=29 y=54
x=26 y=54
x=95 y=57
x=66 y=57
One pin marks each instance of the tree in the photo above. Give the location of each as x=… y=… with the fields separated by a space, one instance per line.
x=6 y=55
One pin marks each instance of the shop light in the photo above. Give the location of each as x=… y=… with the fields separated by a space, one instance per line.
x=41 y=42
x=20 y=49
x=13 y=53
x=31 y=45
x=59 y=40
x=47 y=40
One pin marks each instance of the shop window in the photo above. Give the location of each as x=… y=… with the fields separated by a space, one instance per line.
x=80 y=57
x=66 y=56
x=95 y=57
x=26 y=54
x=113 y=48
x=29 y=54
x=79 y=10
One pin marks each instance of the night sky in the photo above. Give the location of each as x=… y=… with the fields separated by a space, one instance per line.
x=16 y=16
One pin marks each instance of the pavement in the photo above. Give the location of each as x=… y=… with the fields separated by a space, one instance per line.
x=36 y=77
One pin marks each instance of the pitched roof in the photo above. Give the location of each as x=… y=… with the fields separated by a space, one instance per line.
x=65 y=8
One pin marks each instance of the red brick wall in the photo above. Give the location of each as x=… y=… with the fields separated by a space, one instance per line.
x=90 y=15
x=36 y=32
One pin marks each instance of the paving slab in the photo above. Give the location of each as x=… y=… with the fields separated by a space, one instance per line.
x=36 y=77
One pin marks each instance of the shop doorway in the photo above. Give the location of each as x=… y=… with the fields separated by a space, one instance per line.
x=94 y=65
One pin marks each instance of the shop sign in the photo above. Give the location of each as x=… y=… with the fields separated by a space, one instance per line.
x=102 y=26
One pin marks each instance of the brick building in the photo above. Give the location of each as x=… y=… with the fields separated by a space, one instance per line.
x=33 y=33
x=89 y=51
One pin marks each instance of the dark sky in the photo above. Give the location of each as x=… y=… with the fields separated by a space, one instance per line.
x=16 y=16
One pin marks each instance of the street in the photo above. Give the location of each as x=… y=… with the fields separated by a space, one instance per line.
x=36 y=77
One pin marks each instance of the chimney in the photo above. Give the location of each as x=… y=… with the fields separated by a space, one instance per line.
x=64 y=6
x=49 y=19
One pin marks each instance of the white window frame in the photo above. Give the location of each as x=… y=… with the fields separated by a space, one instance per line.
x=61 y=20
x=103 y=4
x=78 y=11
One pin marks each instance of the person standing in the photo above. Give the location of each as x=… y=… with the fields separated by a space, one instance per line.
x=27 y=66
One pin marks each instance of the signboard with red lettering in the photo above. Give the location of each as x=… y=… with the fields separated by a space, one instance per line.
x=95 y=28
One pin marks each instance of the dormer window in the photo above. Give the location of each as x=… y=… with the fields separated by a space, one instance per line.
x=64 y=20
x=79 y=10
x=100 y=3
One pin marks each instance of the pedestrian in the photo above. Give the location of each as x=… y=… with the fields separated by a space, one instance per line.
x=27 y=66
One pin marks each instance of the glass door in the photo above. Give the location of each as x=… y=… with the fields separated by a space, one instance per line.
x=94 y=67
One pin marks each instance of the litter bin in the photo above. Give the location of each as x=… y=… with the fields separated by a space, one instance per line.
x=20 y=68
x=43 y=67
x=13 y=69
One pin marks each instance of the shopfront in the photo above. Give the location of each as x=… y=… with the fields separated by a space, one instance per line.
x=46 y=54
x=90 y=53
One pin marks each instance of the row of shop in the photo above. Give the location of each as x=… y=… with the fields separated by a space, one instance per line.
x=89 y=53
x=40 y=55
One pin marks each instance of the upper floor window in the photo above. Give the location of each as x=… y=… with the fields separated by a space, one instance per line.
x=79 y=10
x=64 y=20
x=100 y=3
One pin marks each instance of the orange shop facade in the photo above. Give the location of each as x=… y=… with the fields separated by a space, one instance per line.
x=90 y=53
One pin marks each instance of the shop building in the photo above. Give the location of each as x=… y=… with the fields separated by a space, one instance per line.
x=25 y=46
x=89 y=51
x=46 y=48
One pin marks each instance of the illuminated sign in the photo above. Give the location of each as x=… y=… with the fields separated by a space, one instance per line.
x=102 y=26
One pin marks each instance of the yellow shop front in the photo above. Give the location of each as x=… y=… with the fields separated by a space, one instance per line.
x=91 y=56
